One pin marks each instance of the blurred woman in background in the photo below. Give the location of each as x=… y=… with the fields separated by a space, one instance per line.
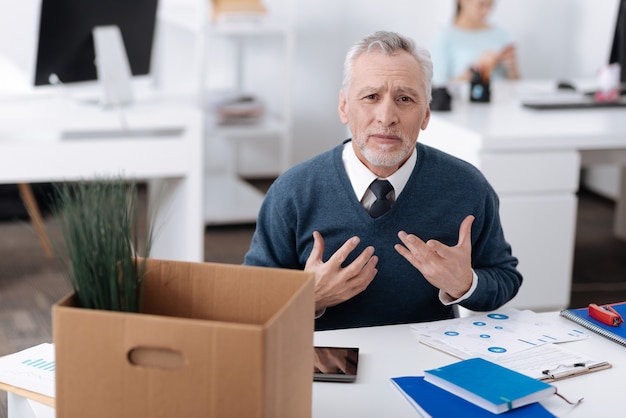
x=471 y=43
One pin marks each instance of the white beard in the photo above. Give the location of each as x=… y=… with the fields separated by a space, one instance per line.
x=382 y=157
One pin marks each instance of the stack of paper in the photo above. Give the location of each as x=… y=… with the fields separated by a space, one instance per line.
x=520 y=340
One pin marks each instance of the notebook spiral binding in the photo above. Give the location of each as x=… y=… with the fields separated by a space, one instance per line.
x=593 y=327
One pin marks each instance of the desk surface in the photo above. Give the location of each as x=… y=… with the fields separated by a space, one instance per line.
x=392 y=351
x=504 y=124
x=32 y=149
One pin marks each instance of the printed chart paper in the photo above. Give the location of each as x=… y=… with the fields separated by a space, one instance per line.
x=494 y=334
x=520 y=340
x=31 y=369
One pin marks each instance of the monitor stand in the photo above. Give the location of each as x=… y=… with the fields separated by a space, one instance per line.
x=115 y=80
x=113 y=69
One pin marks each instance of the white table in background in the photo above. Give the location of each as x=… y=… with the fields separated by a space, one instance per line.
x=32 y=150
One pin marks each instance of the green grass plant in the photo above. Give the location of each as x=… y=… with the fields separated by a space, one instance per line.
x=100 y=233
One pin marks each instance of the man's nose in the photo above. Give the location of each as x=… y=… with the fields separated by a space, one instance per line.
x=387 y=112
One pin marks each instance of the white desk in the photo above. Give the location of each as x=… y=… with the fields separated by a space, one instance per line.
x=533 y=160
x=31 y=150
x=392 y=351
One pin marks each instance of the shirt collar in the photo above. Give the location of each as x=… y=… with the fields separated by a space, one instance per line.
x=361 y=177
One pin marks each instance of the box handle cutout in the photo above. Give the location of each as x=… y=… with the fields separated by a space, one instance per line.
x=158 y=358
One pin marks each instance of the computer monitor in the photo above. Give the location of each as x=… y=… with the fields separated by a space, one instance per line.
x=65 y=44
x=618 y=50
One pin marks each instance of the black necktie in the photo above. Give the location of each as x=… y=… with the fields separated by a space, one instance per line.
x=381 y=189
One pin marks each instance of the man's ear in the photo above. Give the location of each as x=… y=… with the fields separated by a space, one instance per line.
x=426 y=119
x=343 y=103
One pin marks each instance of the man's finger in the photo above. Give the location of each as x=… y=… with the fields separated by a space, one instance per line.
x=318 y=249
x=412 y=242
x=344 y=251
x=362 y=261
x=465 y=230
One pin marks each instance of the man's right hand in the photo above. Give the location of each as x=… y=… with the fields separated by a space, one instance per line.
x=333 y=283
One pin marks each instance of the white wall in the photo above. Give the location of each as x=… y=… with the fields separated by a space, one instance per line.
x=18 y=43
x=325 y=31
x=555 y=39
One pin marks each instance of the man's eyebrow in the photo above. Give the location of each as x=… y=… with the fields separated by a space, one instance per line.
x=363 y=91
x=368 y=90
x=409 y=90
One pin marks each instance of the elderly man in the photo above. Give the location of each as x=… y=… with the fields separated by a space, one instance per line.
x=394 y=231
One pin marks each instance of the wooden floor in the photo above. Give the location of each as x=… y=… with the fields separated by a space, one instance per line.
x=30 y=283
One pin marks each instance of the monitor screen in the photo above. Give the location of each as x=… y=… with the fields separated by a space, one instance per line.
x=65 y=46
x=618 y=50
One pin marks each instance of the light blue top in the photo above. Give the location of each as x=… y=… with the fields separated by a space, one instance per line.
x=455 y=50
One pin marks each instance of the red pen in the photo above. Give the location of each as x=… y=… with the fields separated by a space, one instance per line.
x=605 y=314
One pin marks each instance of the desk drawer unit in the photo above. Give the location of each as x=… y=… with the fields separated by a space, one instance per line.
x=532 y=172
x=538 y=207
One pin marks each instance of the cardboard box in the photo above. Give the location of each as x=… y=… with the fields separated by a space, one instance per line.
x=214 y=340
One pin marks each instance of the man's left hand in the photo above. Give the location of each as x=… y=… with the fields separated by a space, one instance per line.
x=447 y=268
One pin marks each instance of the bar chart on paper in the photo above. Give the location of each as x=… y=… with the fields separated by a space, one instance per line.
x=40 y=364
x=31 y=369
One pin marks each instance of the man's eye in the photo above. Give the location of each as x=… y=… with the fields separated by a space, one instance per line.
x=370 y=97
x=406 y=99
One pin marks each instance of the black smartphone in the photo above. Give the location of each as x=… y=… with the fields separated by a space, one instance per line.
x=335 y=364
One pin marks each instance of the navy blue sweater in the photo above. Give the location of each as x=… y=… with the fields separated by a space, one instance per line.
x=440 y=193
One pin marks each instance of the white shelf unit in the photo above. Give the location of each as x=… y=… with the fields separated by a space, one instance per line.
x=239 y=202
x=228 y=198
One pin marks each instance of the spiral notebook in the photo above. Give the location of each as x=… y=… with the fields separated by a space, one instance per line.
x=581 y=317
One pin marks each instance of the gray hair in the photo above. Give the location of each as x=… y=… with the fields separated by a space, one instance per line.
x=389 y=43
